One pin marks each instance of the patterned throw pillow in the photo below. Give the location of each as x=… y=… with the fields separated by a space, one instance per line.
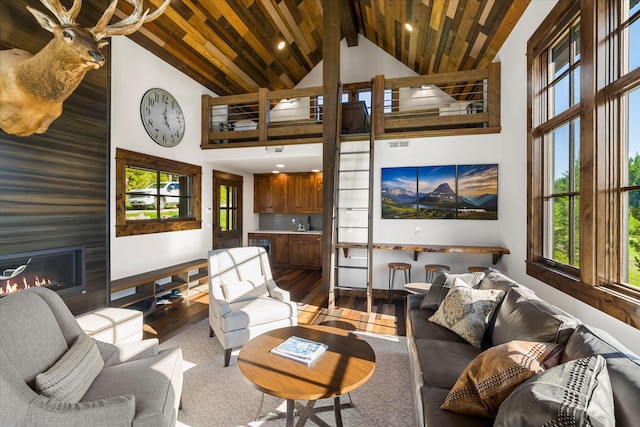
x=72 y=375
x=489 y=379
x=443 y=282
x=576 y=393
x=466 y=311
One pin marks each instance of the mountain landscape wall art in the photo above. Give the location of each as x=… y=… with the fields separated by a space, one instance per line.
x=440 y=192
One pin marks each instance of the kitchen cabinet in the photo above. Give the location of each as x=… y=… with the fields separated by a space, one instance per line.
x=288 y=193
x=280 y=249
x=305 y=251
x=269 y=193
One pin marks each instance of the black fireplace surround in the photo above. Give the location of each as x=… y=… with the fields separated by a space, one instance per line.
x=61 y=269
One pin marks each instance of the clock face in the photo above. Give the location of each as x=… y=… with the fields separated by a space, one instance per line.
x=162 y=117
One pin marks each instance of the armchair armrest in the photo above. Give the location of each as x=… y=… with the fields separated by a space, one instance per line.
x=113 y=411
x=115 y=354
x=279 y=294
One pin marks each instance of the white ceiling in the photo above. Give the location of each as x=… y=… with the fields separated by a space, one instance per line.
x=295 y=158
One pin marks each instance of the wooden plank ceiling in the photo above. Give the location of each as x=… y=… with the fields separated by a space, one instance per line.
x=230 y=46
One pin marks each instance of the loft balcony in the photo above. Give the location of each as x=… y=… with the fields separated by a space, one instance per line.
x=466 y=102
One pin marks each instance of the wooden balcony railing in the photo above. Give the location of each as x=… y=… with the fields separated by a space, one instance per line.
x=463 y=102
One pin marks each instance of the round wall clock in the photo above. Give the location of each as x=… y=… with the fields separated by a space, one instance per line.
x=162 y=117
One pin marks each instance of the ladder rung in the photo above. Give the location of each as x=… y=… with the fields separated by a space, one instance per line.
x=358 y=209
x=351 y=267
x=354 y=188
x=350 y=288
x=352 y=170
x=353 y=152
x=358 y=227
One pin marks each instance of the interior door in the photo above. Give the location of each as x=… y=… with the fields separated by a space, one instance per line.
x=227 y=210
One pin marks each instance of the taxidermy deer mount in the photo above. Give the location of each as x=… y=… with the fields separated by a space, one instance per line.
x=33 y=87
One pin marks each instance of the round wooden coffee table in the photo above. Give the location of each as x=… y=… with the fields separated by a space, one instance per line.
x=347 y=364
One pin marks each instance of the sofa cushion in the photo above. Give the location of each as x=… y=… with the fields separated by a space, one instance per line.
x=623 y=367
x=442 y=362
x=494 y=279
x=524 y=316
x=155 y=382
x=466 y=311
x=575 y=393
x=71 y=376
x=422 y=328
x=493 y=375
x=442 y=282
x=247 y=313
x=432 y=398
x=35 y=352
x=244 y=290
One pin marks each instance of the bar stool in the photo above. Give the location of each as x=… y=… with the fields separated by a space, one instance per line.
x=393 y=266
x=476 y=269
x=431 y=269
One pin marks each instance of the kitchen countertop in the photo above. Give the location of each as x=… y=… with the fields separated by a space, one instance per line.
x=318 y=232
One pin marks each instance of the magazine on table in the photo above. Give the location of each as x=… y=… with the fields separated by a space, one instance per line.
x=300 y=349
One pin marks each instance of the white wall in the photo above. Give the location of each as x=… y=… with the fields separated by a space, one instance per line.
x=134 y=70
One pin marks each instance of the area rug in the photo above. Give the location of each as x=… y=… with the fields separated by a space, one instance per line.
x=213 y=395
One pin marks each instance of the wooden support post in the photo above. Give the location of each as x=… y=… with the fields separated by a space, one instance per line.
x=330 y=82
x=263 y=105
x=493 y=101
x=377 y=102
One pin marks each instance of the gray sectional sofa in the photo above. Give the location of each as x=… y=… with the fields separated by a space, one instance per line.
x=553 y=375
x=53 y=374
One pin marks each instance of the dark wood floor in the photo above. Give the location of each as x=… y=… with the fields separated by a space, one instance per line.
x=305 y=287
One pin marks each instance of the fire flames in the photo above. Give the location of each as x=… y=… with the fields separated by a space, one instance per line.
x=15 y=286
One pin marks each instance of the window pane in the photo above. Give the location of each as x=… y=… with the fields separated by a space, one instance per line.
x=149 y=193
x=575 y=43
x=632 y=132
x=559 y=96
x=575 y=89
x=634 y=6
x=559 y=58
x=365 y=95
x=560 y=167
x=575 y=140
x=223 y=220
x=631 y=271
x=561 y=229
x=634 y=45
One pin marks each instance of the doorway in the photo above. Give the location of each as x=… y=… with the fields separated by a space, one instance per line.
x=227 y=210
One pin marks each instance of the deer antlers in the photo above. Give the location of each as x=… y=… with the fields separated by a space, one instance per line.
x=129 y=25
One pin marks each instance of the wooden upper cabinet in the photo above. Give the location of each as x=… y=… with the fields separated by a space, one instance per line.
x=288 y=193
x=269 y=192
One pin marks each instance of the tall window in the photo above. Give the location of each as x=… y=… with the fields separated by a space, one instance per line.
x=584 y=154
x=155 y=195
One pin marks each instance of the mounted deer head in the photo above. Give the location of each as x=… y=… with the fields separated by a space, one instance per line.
x=33 y=87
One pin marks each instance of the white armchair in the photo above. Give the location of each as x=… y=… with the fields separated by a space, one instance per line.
x=244 y=300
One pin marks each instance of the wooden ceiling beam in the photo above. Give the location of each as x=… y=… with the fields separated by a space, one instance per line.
x=348 y=23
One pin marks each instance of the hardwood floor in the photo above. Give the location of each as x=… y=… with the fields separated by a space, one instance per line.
x=305 y=287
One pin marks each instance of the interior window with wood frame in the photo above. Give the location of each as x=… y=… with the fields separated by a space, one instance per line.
x=155 y=195
x=584 y=154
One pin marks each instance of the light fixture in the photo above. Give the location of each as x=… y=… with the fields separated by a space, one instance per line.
x=275 y=171
x=281 y=45
x=280 y=165
x=408 y=26
x=315 y=170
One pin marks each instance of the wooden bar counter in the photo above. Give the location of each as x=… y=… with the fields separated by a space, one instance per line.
x=495 y=251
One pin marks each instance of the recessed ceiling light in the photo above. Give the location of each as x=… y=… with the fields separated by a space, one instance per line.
x=281 y=45
x=315 y=170
x=275 y=171
x=280 y=165
x=408 y=26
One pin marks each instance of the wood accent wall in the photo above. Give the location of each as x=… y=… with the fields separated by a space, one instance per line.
x=54 y=186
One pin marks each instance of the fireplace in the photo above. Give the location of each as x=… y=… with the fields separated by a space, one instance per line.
x=61 y=269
